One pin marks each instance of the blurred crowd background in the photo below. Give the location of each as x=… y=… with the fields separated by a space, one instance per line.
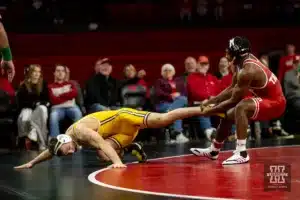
x=78 y=15
x=77 y=57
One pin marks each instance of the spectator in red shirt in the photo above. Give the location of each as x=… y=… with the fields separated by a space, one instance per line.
x=79 y=98
x=62 y=95
x=201 y=86
x=286 y=62
x=170 y=95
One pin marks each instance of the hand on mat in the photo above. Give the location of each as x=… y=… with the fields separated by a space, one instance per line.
x=117 y=165
x=25 y=166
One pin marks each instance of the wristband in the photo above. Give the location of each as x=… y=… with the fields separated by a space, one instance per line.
x=6 y=54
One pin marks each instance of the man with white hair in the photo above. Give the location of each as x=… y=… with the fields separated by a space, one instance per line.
x=170 y=94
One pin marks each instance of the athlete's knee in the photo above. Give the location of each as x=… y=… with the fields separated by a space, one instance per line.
x=230 y=114
x=244 y=106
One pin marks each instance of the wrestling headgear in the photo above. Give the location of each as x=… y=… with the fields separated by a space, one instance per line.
x=239 y=46
x=61 y=139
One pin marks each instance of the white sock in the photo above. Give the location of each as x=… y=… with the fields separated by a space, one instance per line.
x=241 y=145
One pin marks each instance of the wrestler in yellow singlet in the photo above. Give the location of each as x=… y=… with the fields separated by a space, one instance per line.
x=121 y=126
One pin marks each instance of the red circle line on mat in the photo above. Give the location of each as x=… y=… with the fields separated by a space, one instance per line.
x=92 y=178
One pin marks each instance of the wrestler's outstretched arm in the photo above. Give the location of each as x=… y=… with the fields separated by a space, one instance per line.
x=45 y=155
x=96 y=141
x=224 y=95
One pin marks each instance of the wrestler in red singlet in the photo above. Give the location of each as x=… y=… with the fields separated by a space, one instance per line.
x=269 y=99
x=255 y=94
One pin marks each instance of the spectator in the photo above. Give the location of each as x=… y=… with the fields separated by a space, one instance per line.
x=33 y=103
x=102 y=90
x=62 y=97
x=292 y=86
x=141 y=74
x=223 y=68
x=219 y=11
x=79 y=99
x=286 y=62
x=227 y=75
x=132 y=77
x=186 y=10
x=201 y=86
x=202 y=9
x=190 y=64
x=171 y=95
x=264 y=59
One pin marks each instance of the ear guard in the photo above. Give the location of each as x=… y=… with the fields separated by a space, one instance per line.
x=62 y=139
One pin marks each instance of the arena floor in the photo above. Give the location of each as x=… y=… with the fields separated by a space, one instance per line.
x=169 y=174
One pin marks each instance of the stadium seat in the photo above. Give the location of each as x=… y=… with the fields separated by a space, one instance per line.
x=134 y=96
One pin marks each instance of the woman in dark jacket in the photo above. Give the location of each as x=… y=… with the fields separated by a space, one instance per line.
x=33 y=103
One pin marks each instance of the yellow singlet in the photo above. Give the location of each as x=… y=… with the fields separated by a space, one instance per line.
x=121 y=125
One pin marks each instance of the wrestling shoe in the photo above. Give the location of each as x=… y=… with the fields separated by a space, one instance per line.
x=137 y=150
x=239 y=157
x=208 y=153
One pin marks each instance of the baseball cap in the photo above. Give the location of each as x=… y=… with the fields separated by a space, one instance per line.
x=105 y=60
x=203 y=59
